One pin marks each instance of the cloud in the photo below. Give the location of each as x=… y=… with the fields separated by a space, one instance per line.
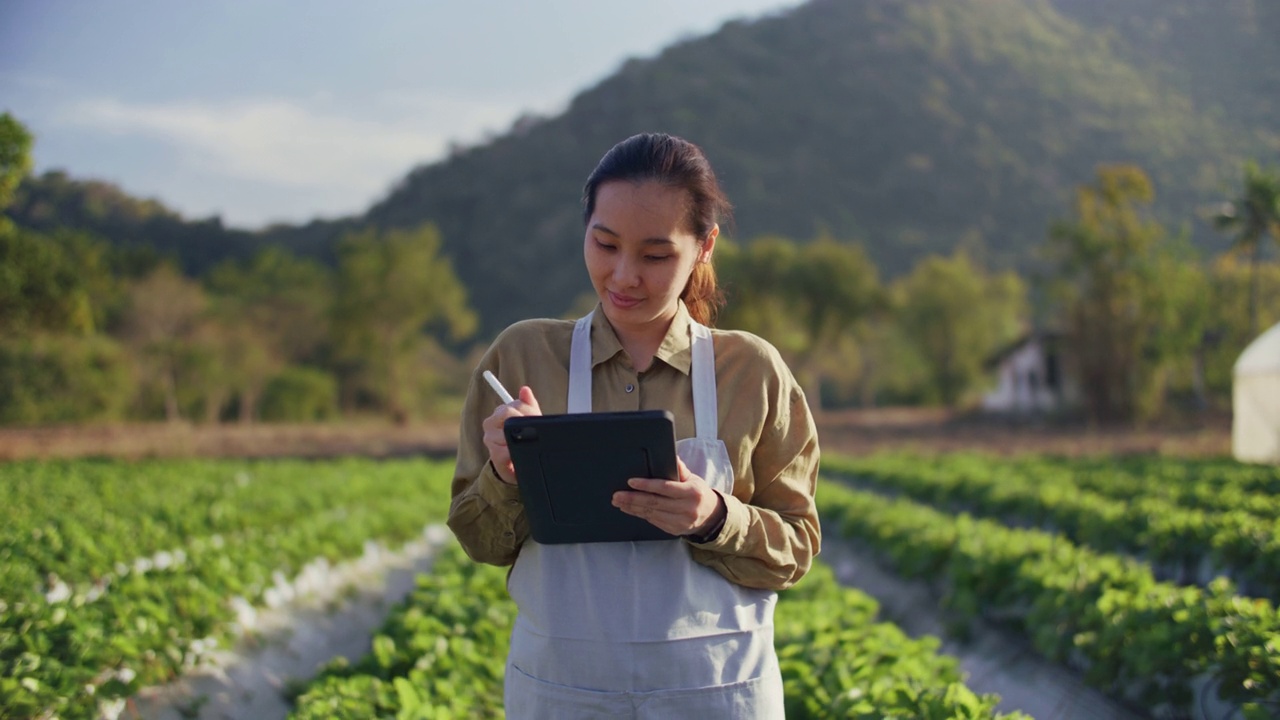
x=290 y=144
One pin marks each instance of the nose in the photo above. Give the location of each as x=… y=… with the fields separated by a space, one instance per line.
x=626 y=272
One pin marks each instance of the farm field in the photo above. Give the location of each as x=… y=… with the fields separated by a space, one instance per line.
x=1153 y=578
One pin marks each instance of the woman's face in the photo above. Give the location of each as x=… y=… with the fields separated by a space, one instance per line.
x=640 y=252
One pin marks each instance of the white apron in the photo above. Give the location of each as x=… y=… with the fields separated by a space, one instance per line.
x=638 y=629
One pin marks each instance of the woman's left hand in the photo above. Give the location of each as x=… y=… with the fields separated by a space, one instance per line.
x=687 y=506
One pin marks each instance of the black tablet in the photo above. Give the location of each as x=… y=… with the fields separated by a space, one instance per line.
x=569 y=466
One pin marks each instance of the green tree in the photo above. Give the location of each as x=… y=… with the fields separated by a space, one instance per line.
x=757 y=282
x=57 y=282
x=835 y=288
x=300 y=394
x=891 y=369
x=806 y=300
x=1106 y=286
x=1250 y=217
x=1179 y=314
x=15 y=156
x=272 y=310
x=1231 y=285
x=61 y=378
x=395 y=293
x=162 y=327
x=287 y=298
x=957 y=315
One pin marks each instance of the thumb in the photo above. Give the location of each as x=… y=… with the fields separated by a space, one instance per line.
x=682 y=471
x=526 y=397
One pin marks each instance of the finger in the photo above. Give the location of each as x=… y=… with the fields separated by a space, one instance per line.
x=665 y=488
x=682 y=470
x=676 y=522
x=527 y=397
x=494 y=422
x=497 y=446
x=644 y=501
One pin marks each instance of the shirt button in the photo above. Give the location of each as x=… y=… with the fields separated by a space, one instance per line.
x=630 y=387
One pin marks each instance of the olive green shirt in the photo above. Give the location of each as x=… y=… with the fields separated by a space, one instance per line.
x=771 y=531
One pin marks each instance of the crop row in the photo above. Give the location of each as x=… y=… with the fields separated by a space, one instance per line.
x=1211 y=484
x=70 y=650
x=81 y=521
x=1144 y=641
x=441 y=654
x=1187 y=542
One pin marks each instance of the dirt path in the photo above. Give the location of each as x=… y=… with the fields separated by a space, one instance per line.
x=994 y=661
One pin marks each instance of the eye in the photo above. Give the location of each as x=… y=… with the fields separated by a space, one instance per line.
x=657 y=258
x=605 y=246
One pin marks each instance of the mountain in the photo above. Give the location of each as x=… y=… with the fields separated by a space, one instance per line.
x=55 y=199
x=1220 y=53
x=907 y=125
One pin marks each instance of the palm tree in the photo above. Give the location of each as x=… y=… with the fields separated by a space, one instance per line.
x=1250 y=217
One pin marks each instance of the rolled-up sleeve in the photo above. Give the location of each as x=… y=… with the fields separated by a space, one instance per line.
x=771 y=531
x=485 y=513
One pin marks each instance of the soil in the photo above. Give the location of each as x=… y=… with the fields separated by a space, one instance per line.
x=855 y=432
x=932 y=430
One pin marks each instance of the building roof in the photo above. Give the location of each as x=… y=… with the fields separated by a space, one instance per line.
x=1045 y=336
x=1262 y=357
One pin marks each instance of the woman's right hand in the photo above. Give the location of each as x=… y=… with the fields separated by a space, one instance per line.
x=496 y=441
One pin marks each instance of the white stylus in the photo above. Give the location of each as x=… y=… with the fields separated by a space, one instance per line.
x=497 y=387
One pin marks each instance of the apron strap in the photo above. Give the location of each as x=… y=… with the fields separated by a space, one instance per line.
x=580 y=366
x=703 y=372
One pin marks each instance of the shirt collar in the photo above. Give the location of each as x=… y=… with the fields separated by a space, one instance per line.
x=675 y=349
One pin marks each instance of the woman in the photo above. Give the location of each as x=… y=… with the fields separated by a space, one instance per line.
x=657 y=629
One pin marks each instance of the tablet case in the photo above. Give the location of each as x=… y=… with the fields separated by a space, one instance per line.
x=568 y=467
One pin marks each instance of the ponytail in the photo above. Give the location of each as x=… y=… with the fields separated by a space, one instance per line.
x=702 y=296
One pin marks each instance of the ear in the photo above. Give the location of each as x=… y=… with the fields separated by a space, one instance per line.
x=709 y=244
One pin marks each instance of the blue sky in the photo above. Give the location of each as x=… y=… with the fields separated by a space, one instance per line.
x=265 y=110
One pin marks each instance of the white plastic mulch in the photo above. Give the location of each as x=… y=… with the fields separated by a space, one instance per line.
x=323 y=613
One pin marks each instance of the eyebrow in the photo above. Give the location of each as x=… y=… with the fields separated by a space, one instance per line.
x=646 y=241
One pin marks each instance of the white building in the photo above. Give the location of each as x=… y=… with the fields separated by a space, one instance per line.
x=1030 y=378
x=1255 y=400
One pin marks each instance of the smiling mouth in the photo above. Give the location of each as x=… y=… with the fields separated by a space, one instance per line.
x=622 y=300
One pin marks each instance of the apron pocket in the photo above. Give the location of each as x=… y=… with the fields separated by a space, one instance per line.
x=759 y=697
x=526 y=697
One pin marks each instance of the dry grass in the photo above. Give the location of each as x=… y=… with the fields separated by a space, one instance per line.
x=154 y=440
x=932 y=430
x=849 y=431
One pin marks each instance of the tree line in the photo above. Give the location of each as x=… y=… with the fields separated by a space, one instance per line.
x=95 y=332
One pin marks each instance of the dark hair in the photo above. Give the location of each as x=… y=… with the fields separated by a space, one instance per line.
x=678 y=163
